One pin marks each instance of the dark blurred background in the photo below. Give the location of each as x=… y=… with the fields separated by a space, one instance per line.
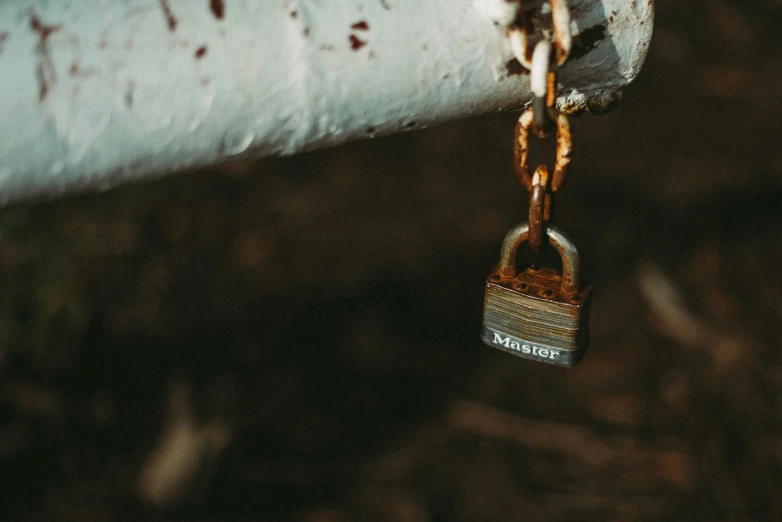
x=297 y=339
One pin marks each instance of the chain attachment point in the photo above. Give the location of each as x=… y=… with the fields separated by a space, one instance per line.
x=562 y=38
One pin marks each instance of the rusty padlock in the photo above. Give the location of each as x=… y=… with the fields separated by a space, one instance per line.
x=537 y=313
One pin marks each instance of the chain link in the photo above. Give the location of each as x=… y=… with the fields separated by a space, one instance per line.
x=543 y=116
x=562 y=38
x=564 y=149
x=537 y=208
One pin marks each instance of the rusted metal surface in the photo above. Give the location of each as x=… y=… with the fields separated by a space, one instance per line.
x=561 y=243
x=543 y=81
x=520 y=33
x=540 y=313
x=537 y=312
x=563 y=40
x=564 y=150
x=521 y=148
x=537 y=208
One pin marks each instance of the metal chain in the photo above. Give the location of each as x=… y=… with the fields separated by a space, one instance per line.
x=563 y=40
x=542 y=117
x=538 y=202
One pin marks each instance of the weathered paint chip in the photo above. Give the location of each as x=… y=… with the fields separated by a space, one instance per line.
x=356 y=43
x=44 y=70
x=170 y=18
x=218 y=8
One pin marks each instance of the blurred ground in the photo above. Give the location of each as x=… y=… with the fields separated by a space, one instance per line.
x=298 y=339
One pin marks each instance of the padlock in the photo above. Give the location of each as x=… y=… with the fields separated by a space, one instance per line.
x=535 y=312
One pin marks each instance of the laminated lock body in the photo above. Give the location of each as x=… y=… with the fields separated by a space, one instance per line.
x=530 y=316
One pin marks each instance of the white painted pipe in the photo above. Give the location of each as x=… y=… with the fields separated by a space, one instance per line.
x=96 y=92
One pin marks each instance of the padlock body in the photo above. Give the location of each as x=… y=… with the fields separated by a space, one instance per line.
x=530 y=316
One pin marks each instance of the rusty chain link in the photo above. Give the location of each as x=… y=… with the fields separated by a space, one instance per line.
x=563 y=153
x=542 y=116
x=562 y=39
x=539 y=203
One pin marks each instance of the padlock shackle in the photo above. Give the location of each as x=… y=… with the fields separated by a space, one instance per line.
x=560 y=242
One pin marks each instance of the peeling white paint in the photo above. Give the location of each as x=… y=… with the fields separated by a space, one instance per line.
x=103 y=91
x=500 y=12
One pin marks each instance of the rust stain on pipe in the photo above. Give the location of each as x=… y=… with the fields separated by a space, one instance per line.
x=170 y=18
x=218 y=8
x=355 y=42
x=45 y=71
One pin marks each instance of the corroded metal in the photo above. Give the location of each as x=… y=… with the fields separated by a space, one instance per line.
x=537 y=312
x=521 y=149
x=563 y=40
x=562 y=37
x=559 y=240
x=537 y=209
